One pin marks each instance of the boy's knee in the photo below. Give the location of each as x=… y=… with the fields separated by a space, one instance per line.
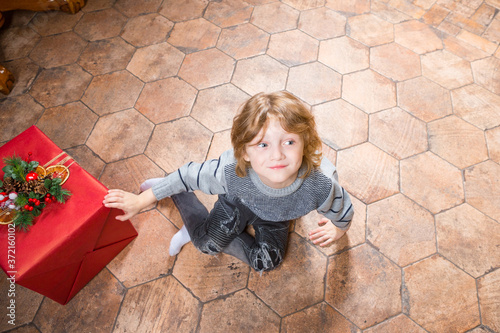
x=207 y=246
x=265 y=258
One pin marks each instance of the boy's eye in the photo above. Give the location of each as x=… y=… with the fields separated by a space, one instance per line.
x=289 y=142
x=262 y=145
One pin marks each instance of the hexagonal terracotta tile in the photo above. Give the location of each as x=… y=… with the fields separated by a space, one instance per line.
x=54 y=22
x=100 y=25
x=227 y=274
x=349 y=7
x=48 y=53
x=19 y=113
x=314 y=83
x=344 y=55
x=220 y=143
x=406 y=234
x=194 y=35
x=106 y=56
x=133 y=8
x=463 y=49
x=227 y=13
x=316 y=319
x=446 y=69
x=17 y=42
x=24 y=71
x=98 y=5
x=112 y=92
x=227 y=98
x=424 y=99
x=172 y=157
x=395 y=62
x=146 y=29
x=488 y=290
x=60 y=85
x=370 y=30
x=388 y=13
x=120 y=135
x=140 y=308
x=493 y=143
x=398 y=133
x=165 y=100
x=369 y=91
x=486 y=73
x=129 y=174
x=354 y=236
x=151 y=245
x=27 y=304
x=207 y=68
x=293 y=47
x=156 y=62
x=457 y=141
x=353 y=276
x=226 y=313
x=340 y=124
x=87 y=159
x=401 y=323
x=431 y=182
x=477 y=105
x=182 y=10
x=417 y=37
x=243 y=41
x=299 y=276
x=261 y=73
x=368 y=173
x=95 y=306
x=482 y=188
x=305 y=4
x=275 y=17
x=68 y=125
x=322 y=23
x=468 y=245
x=439 y=296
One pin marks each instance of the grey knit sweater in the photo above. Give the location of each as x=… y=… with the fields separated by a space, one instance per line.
x=319 y=191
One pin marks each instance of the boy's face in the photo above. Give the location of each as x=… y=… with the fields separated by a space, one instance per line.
x=275 y=155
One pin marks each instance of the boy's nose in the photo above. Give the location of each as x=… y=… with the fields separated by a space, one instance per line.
x=277 y=153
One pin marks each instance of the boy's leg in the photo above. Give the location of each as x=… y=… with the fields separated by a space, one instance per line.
x=211 y=232
x=264 y=252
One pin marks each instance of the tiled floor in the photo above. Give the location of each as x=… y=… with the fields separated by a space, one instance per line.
x=407 y=98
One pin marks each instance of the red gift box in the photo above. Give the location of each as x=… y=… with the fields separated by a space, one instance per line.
x=68 y=243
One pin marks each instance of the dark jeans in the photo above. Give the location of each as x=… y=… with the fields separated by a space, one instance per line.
x=223 y=230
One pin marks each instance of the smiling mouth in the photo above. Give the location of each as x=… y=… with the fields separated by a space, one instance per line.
x=278 y=167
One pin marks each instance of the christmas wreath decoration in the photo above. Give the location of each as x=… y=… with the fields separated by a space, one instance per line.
x=27 y=188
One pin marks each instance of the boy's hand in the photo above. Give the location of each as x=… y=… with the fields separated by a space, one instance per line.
x=130 y=203
x=326 y=234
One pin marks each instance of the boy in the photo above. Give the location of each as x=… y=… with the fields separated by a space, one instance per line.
x=273 y=174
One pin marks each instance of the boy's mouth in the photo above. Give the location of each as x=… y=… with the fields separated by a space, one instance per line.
x=276 y=167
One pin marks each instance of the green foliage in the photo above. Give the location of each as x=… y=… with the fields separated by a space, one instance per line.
x=17 y=168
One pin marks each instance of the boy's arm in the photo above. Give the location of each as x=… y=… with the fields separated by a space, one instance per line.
x=130 y=203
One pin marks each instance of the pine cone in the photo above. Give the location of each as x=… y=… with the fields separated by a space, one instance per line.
x=11 y=185
x=41 y=189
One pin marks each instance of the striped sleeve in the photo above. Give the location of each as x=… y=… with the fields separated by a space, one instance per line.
x=207 y=177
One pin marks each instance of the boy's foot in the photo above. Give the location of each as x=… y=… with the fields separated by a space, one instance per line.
x=149 y=183
x=180 y=239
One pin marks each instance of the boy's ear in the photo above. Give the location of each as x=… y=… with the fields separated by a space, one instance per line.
x=245 y=157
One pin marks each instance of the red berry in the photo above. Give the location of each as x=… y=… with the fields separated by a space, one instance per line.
x=37 y=202
x=31 y=176
x=47 y=200
x=27 y=207
x=31 y=208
